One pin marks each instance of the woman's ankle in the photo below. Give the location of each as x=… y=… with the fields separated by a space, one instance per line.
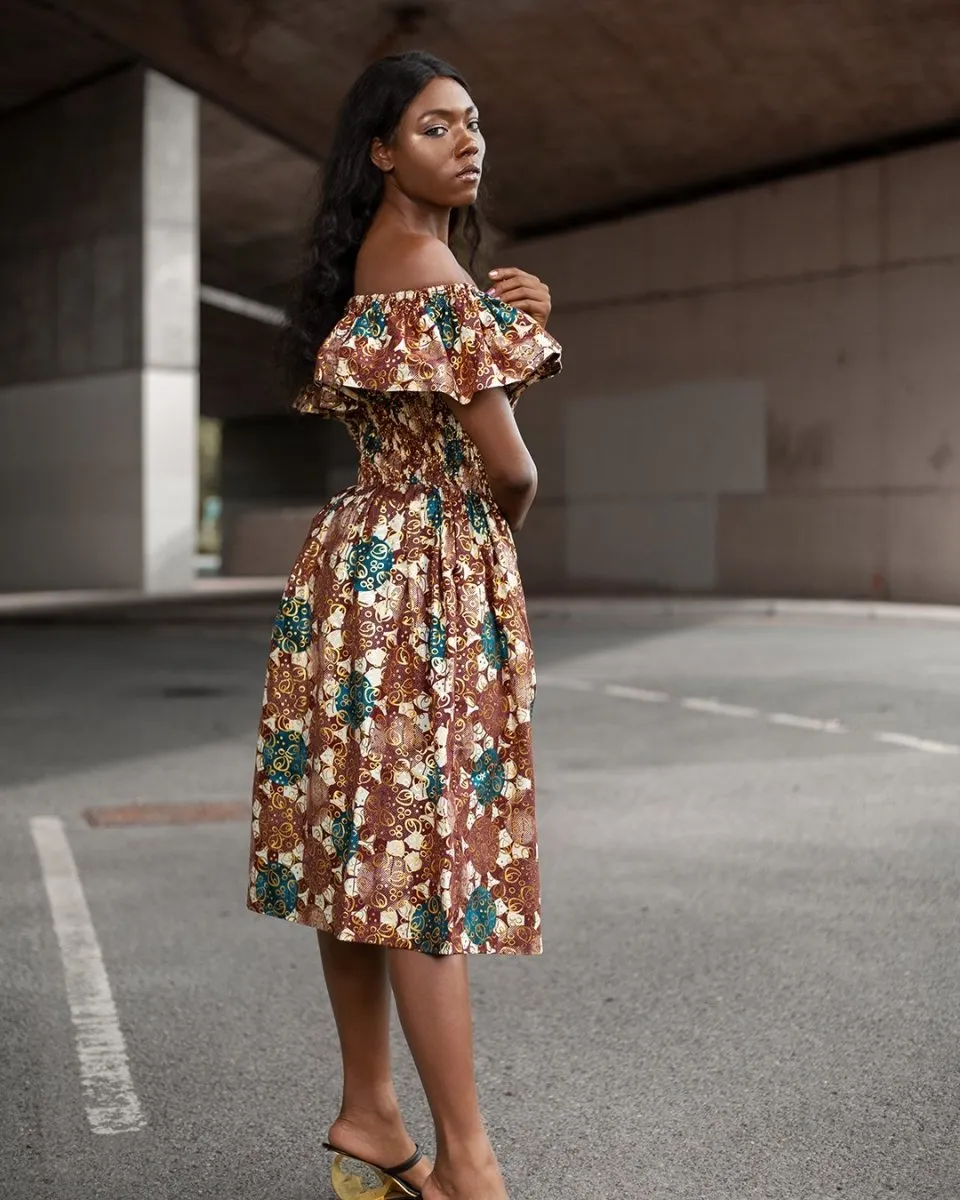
x=377 y=1104
x=467 y=1177
x=472 y=1154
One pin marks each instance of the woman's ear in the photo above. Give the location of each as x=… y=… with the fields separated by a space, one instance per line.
x=381 y=155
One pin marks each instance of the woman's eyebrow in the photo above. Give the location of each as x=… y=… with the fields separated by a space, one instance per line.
x=448 y=113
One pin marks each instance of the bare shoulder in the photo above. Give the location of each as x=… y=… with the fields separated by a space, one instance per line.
x=395 y=263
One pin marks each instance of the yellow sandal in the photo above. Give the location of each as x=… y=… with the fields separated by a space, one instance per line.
x=373 y=1183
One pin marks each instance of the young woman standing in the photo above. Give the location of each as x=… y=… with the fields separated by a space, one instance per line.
x=393 y=803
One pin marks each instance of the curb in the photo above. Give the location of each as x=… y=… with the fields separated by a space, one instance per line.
x=611 y=608
x=37 y=604
x=620 y=607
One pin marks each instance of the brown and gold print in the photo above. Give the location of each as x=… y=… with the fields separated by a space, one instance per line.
x=394 y=793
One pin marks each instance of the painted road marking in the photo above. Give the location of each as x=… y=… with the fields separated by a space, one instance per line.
x=719 y=707
x=109 y=1097
x=635 y=693
x=915 y=743
x=798 y=722
x=566 y=681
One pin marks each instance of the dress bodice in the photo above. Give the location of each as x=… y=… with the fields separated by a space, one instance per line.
x=387 y=364
x=400 y=443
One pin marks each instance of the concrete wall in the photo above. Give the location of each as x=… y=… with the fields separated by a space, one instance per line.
x=71 y=209
x=759 y=393
x=276 y=473
x=239 y=374
x=98 y=338
x=277 y=467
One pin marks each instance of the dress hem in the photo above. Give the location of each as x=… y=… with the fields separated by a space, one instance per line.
x=312 y=920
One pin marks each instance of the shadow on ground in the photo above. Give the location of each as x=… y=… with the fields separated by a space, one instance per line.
x=88 y=690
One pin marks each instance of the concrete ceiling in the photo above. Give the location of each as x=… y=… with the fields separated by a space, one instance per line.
x=42 y=51
x=256 y=199
x=590 y=110
x=256 y=191
x=587 y=107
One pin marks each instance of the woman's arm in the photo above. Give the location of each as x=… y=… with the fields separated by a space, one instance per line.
x=489 y=422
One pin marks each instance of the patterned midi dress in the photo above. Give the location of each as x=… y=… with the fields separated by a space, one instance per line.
x=393 y=799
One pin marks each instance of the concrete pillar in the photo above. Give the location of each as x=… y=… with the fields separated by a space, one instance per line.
x=98 y=338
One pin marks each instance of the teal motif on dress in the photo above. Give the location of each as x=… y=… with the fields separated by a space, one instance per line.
x=452 y=451
x=477 y=513
x=493 y=638
x=448 y=326
x=285 y=756
x=345 y=837
x=369 y=564
x=371 y=324
x=435 y=507
x=437 y=639
x=488 y=777
x=434 y=782
x=355 y=699
x=276 y=889
x=505 y=315
x=291 y=629
x=480 y=918
x=429 y=929
x=371 y=441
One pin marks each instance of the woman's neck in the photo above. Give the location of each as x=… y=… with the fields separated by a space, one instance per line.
x=402 y=214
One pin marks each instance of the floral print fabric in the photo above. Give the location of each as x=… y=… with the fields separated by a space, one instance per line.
x=394 y=793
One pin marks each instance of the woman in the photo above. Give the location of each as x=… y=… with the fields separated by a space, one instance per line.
x=393 y=801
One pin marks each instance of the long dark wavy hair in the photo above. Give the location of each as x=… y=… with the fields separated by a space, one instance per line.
x=351 y=188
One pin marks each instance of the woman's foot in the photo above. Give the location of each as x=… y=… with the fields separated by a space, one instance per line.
x=380 y=1138
x=471 y=1176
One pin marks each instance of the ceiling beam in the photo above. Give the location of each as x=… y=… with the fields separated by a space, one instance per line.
x=148 y=32
x=844 y=156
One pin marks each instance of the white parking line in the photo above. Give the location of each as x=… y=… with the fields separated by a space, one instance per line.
x=915 y=743
x=109 y=1097
x=635 y=693
x=798 y=722
x=567 y=682
x=719 y=707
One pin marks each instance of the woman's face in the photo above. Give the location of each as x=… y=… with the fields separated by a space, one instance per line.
x=436 y=154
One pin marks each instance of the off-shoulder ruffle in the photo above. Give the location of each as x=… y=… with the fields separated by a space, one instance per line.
x=449 y=338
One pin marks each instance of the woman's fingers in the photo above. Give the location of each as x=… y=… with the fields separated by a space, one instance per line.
x=522 y=287
x=522 y=290
x=511 y=277
x=512 y=295
x=501 y=274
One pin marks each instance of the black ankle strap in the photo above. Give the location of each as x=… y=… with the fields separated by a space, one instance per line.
x=404 y=1166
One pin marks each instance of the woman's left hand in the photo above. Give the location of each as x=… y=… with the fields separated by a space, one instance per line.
x=522 y=290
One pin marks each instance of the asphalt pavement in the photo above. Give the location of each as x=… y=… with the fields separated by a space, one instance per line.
x=750 y=835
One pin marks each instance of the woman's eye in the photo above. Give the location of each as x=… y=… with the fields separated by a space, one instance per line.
x=434 y=130
x=474 y=125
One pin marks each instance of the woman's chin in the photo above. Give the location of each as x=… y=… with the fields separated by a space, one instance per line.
x=465 y=193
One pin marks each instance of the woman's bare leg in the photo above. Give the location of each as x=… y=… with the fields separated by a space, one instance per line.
x=433 y=1000
x=369 y=1124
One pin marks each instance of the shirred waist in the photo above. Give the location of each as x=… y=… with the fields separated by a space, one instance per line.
x=370 y=477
